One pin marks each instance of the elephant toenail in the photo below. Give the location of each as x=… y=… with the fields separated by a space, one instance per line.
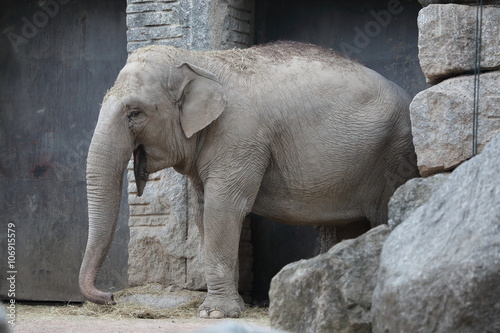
x=203 y=314
x=216 y=314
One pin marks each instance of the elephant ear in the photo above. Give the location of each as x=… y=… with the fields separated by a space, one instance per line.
x=203 y=99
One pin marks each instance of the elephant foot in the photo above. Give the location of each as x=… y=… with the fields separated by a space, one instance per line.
x=217 y=307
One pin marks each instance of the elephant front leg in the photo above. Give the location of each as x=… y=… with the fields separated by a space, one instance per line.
x=222 y=228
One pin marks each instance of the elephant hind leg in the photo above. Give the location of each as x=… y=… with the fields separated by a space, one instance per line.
x=327 y=237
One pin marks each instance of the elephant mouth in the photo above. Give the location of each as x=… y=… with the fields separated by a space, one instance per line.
x=140 y=173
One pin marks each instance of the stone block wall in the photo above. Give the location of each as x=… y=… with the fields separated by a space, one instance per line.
x=165 y=246
x=194 y=24
x=447 y=40
x=442 y=116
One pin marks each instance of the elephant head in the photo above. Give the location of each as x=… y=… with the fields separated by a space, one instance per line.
x=155 y=111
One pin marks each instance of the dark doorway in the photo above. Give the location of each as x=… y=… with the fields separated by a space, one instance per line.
x=57 y=59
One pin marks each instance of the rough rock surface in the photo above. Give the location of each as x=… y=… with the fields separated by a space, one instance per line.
x=442 y=121
x=440 y=269
x=469 y=2
x=330 y=292
x=447 y=40
x=164 y=242
x=411 y=195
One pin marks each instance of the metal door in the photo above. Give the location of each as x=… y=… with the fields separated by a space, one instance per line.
x=57 y=59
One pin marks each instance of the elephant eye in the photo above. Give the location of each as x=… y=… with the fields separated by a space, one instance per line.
x=134 y=113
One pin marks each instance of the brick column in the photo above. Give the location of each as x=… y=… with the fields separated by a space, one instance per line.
x=164 y=241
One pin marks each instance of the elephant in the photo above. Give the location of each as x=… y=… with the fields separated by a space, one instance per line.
x=289 y=131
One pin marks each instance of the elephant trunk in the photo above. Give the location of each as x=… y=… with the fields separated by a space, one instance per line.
x=109 y=152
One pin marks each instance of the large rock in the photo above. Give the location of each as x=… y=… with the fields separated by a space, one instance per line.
x=440 y=269
x=442 y=121
x=447 y=40
x=330 y=292
x=411 y=195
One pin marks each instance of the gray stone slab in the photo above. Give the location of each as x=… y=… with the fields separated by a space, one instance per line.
x=411 y=195
x=442 y=121
x=447 y=40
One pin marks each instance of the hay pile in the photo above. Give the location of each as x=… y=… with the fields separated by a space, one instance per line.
x=125 y=310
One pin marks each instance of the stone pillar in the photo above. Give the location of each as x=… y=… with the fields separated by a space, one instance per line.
x=191 y=24
x=164 y=241
x=442 y=116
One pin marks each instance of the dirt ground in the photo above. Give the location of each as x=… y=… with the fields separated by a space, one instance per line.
x=151 y=308
x=55 y=319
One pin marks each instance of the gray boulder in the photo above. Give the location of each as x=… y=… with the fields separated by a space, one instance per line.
x=331 y=292
x=440 y=269
x=411 y=195
x=442 y=121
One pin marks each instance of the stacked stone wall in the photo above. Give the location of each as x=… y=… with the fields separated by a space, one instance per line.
x=442 y=116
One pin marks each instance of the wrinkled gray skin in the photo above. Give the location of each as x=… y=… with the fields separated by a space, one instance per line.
x=288 y=131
